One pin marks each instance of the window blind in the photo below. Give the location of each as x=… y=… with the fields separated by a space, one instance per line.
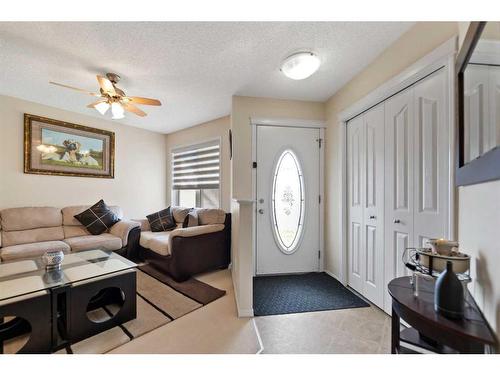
x=196 y=167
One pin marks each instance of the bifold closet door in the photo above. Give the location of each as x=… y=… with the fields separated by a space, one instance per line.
x=366 y=204
x=417 y=171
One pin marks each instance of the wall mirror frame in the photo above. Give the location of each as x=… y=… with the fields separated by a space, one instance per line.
x=484 y=166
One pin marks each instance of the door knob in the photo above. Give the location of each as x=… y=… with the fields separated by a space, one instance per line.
x=397 y=221
x=372 y=217
x=261 y=211
x=261 y=200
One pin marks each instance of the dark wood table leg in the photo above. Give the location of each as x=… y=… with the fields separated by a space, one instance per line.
x=395 y=328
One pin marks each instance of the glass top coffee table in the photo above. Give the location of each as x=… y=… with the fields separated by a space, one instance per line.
x=56 y=306
x=22 y=277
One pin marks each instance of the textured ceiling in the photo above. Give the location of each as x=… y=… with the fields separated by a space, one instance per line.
x=192 y=67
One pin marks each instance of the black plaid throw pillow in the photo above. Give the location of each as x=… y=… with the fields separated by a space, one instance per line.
x=98 y=218
x=161 y=221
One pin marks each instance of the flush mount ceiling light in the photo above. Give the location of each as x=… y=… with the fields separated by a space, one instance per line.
x=300 y=65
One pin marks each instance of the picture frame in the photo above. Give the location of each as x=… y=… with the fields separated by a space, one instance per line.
x=53 y=147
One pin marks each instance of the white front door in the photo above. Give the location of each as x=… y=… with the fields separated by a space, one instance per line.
x=288 y=188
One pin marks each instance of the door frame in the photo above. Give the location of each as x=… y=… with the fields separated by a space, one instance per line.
x=441 y=57
x=290 y=123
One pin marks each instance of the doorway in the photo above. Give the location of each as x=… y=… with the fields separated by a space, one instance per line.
x=288 y=178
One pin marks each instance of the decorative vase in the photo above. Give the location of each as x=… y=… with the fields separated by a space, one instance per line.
x=449 y=294
x=53 y=259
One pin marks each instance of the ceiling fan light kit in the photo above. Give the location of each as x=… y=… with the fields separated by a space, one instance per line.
x=114 y=98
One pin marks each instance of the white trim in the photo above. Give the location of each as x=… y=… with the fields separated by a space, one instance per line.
x=322 y=201
x=242 y=313
x=442 y=56
x=288 y=122
x=418 y=70
x=343 y=209
x=243 y=201
x=292 y=123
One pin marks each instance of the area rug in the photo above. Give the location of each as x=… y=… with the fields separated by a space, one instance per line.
x=160 y=300
x=287 y=294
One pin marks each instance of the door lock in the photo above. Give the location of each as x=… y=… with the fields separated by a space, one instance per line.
x=372 y=217
x=397 y=221
x=261 y=200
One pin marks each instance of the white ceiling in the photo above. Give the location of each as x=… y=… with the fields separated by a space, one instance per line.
x=193 y=67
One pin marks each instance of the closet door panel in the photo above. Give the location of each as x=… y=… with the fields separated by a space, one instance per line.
x=431 y=159
x=373 y=230
x=356 y=191
x=399 y=176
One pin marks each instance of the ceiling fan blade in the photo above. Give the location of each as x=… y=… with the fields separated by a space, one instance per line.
x=92 y=105
x=132 y=108
x=145 y=101
x=75 y=88
x=106 y=85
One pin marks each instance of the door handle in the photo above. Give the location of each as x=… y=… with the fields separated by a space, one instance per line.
x=261 y=211
x=397 y=221
x=372 y=217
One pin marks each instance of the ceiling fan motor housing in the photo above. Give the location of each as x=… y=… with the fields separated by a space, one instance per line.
x=113 y=77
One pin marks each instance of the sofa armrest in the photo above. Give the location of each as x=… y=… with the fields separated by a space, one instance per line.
x=144 y=223
x=196 y=231
x=123 y=228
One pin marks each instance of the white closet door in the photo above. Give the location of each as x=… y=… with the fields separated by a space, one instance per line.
x=431 y=159
x=373 y=203
x=356 y=191
x=399 y=172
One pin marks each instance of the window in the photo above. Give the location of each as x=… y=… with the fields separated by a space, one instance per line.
x=196 y=175
x=288 y=202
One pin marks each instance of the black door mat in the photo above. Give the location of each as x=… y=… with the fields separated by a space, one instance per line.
x=287 y=294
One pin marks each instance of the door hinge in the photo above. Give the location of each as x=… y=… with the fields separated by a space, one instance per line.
x=319 y=254
x=319 y=199
x=254 y=164
x=320 y=141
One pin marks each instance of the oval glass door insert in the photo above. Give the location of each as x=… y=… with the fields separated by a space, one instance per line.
x=288 y=202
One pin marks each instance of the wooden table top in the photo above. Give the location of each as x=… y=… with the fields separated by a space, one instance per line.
x=473 y=326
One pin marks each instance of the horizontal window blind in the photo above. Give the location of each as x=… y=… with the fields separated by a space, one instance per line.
x=196 y=167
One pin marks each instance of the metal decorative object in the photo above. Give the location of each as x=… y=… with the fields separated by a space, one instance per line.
x=53 y=259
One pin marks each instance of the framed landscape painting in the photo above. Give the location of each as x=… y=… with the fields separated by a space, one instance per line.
x=59 y=148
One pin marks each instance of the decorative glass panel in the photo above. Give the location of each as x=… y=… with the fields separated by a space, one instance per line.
x=288 y=202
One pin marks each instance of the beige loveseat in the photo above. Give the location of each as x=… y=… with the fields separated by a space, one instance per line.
x=28 y=232
x=183 y=252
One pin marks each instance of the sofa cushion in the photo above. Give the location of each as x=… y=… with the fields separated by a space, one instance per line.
x=180 y=213
x=19 y=237
x=161 y=221
x=31 y=250
x=68 y=214
x=211 y=216
x=147 y=236
x=24 y=218
x=98 y=218
x=103 y=241
x=75 y=231
x=160 y=245
x=191 y=219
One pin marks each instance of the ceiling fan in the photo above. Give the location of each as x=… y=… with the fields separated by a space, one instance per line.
x=114 y=97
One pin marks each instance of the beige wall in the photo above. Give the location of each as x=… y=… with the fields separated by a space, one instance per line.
x=411 y=46
x=214 y=129
x=243 y=108
x=139 y=185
